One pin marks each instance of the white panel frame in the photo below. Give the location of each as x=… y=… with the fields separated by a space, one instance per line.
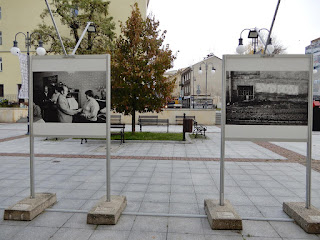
x=267 y=63
x=279 y=133
x=77 y=63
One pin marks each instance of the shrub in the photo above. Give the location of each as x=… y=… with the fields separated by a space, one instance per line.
x=6 y=103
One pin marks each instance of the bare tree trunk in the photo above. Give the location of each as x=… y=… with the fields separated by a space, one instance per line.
x=133 y=121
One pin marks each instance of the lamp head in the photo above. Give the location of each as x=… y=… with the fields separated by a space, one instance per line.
x=213 y=70
x=40 y=50
x=240 y=49
x=15 y=50
x=92 y=28
x=253 y=34
x=315 y=70
x=270 y=47
x=200 y=70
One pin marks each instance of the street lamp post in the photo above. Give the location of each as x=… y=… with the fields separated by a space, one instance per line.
x=192 y=79
x=40 y=51
x=254 y=34
x=212 y=71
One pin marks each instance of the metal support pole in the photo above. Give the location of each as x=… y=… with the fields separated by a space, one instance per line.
x=80 y=39
x=273 y=20
x=28 y=64
x=32 y=179
x=55 y=26
x=108 y=141
x=206 y=85
x=309 y=143
x=222 y=150
x=183 y=127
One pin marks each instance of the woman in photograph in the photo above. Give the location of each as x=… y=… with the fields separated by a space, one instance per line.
x=90 y=109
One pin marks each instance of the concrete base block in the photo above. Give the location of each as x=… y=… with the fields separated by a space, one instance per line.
x=28 y=208
x=222 y=217
x=107 y=213
x=307 y=218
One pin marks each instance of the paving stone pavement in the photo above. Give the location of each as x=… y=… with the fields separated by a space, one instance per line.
x=255 y=188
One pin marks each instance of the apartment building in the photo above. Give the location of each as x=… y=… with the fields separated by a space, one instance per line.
x=24 y=16
x=200 y=85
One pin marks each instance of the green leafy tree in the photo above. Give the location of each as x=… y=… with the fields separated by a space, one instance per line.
x=138 y=64
x=74 y=14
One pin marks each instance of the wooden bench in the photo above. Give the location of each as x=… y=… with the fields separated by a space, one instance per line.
x=119 y=131
x=199 y=129
x=120 y=127
x=114 y=119
x=179 y=119
x=152 y=120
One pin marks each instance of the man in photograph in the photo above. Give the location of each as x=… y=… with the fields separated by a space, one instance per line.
x=65 y=114
x=45 y=103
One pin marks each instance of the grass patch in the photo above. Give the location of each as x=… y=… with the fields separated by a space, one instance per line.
x=149 y=136
x=145 y=136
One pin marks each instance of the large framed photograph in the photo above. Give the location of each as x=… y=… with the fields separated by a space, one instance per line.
x=267 y=97
x=69 y=95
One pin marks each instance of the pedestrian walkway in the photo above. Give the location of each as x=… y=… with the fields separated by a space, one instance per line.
x=257 y=182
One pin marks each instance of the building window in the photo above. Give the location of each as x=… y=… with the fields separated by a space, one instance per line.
x=0 y=64
x=245 y=93
x=1 y=90
x=0 y=38
x=0 y=13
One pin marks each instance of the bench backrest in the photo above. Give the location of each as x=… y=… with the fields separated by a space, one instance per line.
x=117 y=125
x=153 y=121
x=115 y=119
x=148 y=117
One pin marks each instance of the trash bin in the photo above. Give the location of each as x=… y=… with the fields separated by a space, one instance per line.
x=316 y=119
x=187 y=125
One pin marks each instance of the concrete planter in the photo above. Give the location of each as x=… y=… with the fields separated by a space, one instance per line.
x=12 y=115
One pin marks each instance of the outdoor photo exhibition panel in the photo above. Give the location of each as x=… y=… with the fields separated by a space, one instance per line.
x=63 y=115
x=267 y=98
x=71 y=97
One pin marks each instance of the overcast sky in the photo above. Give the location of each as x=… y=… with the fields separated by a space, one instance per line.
x=197 y=28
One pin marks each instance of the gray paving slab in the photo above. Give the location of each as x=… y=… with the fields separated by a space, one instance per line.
x=211 y=237
x=154 y=207
x=254 y=229
x=291 y=230
x=185 y=225
x=79 y=221
x=147 y=235
x=7 y=232
x=185 y=236
x=68 y=234
x=170 y=186
x=150 y=224
x=39 y=233
x=51 y=219
x=109 y=234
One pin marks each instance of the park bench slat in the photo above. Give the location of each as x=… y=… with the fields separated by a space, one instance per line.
x=151 y=121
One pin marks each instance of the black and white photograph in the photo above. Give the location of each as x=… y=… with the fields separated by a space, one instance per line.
x=267 y=98
x=69 y=97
